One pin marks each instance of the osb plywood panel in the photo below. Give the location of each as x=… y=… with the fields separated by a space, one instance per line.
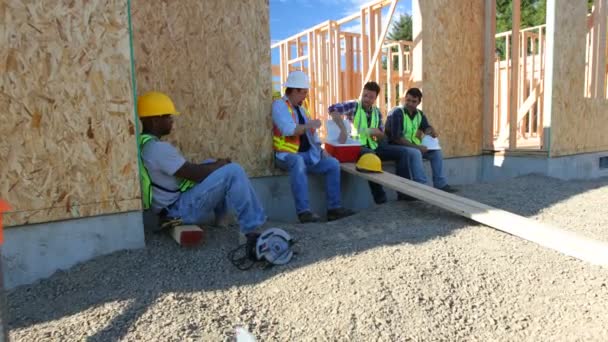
x=67 y=147
x=577 y=123
x=213 y=58
x=452 y=71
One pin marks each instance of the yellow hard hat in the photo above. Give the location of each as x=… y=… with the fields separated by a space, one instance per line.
x=369 y=162
x=155 y=104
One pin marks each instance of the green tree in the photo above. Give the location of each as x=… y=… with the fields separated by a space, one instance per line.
x=532 y=12
x=401 y=28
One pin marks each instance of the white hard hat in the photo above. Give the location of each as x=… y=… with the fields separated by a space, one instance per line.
x=297 y=79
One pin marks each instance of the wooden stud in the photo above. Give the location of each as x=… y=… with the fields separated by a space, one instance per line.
x=330 y=65
x=364 y=48
x=338 y=63
x=378 y=65
x=323 y=99
x=349 y=66
x=513 y=90
x=311 y=74
x=389 y=80
x=523 y=77
x=497 y=99
x=509 y=62
x=549 y=50
x=489 y=67
x=401 y=72
x=541 y=83
x=598 y=85
x=371 y=47
x=531 y=83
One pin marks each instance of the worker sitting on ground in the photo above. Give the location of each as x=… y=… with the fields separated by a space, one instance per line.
x=176 y=188
x=298 y=150
x=367 y=121
x=405 y=127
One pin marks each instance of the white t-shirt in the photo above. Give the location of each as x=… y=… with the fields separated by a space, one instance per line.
x=162 y=160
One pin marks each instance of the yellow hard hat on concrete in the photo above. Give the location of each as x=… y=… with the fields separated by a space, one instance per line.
x=369 y=162
x=155 y=104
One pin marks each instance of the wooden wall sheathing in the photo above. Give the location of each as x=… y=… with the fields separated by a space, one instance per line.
x=452 y=72
x=68 y=148
x=213 y=59
x=577 y=123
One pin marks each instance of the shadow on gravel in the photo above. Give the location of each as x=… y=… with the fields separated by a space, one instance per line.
x=143 y=276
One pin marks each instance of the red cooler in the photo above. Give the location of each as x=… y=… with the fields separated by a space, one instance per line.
x=345 y=153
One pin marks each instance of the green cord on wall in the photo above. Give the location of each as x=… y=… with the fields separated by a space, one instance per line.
x=134 y=88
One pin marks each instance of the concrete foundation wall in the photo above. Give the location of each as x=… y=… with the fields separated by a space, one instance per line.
x=37 y=251
x=580 y=166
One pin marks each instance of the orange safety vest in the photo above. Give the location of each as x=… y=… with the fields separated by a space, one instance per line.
x=291 y=143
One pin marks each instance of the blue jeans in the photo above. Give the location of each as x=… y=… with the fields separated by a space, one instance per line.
x=417 y=167
x=396 y=153
x=298 y=168
x=226 y=186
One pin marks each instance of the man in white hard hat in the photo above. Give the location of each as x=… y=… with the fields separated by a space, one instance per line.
x=298 y=149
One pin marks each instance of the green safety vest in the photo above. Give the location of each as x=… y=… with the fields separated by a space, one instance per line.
x=360 y=122
x=410 y=127
x=146 y=181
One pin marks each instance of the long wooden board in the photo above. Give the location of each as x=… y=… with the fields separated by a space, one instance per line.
x=566 y=242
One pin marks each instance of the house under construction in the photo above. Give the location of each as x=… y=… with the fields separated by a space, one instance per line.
x=70 y=72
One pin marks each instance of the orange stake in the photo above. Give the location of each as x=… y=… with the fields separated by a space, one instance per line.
x=3 y=207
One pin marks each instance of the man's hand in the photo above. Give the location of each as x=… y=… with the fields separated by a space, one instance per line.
x=314 y=124
x=423 y=149
x=198 y=172
x=375 y=132
x=222 y=161
x=336 y=116
x=342 y=137
x=432 y=132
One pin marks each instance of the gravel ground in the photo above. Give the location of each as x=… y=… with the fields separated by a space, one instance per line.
x=397 y=272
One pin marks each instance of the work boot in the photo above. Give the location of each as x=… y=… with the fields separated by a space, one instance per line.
x=449 y=189
x=406 y=198
x=167 y=222
x=380 y=200
x=338 y=213
x=308 y=217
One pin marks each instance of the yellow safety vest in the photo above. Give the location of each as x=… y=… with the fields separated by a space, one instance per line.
x=146 y=181
x=360 y=122
x=410 y=127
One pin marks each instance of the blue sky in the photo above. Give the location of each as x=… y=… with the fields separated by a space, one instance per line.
x=288 y=17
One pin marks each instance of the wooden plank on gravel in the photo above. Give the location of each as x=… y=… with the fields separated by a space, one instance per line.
x=187 y=235
x=566 y=242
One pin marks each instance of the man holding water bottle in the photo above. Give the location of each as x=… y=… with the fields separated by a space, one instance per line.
x=367 y=121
